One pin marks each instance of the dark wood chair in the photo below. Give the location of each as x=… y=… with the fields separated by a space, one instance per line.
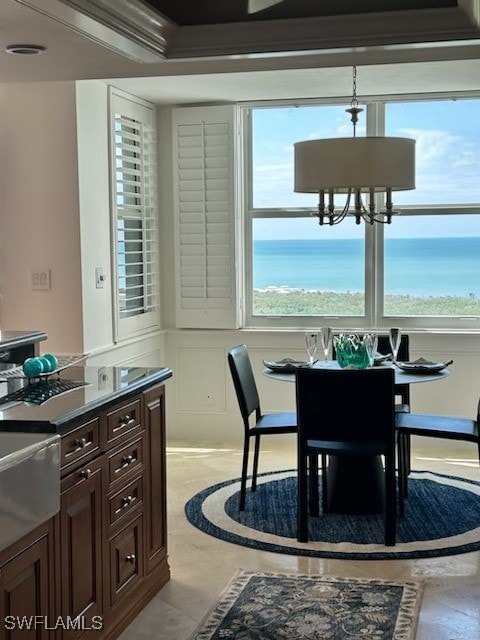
x=344 y=413
x=256 y=424
x=435 y=426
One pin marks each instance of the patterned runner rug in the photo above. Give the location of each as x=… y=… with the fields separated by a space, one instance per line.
x=271 y=606
x=442 y=517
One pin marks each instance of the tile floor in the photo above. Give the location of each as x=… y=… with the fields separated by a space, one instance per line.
x=201 y=566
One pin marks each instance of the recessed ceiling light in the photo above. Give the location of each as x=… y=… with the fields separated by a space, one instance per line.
x=25 y=49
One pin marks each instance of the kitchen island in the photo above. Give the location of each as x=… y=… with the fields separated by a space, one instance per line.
x=91 y=568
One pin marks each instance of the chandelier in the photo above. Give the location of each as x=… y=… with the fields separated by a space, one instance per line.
x=360 y=168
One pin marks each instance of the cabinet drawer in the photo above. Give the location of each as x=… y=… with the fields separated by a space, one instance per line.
x=123 y=419
x=127 y=460
x=126 y=560
x=80 y=443
x=128 y=499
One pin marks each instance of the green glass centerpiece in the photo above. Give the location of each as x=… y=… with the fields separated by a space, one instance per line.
x=351 y=351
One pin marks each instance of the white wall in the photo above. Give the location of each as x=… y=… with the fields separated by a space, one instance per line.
x=94 y=208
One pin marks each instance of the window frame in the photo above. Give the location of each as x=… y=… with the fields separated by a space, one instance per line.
x=374 y=317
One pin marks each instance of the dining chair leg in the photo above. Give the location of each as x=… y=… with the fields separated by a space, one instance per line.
x=406 y=462
x=324 y=484
x=408 y=451
x=401 y=474
x=391 y=504
x=243 y=481
x=255 y=462
x=302 y=498
x=313 y=482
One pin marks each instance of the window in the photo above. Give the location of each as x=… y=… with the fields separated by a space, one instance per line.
x=423 y=268
x=134 y=215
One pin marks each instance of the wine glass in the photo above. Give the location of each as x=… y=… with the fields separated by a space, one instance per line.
x=370 y=340
x=311 y=344
x=326 y=338
x=395 y=337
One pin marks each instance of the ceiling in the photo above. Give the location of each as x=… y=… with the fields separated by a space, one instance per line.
x=193 y=12
x=177 y=52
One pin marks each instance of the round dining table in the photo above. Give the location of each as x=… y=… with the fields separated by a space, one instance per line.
x=401 y=376
x=356 y=484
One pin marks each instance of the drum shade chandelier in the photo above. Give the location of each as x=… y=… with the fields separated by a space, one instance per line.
x=361 y=168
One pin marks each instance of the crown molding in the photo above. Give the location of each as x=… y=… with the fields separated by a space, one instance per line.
x=129 y=28
x=329 y=32
x=138 y=32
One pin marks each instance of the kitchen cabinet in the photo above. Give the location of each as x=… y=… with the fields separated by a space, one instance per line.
x=105 y=555
x=27 y=586
x=80 y=542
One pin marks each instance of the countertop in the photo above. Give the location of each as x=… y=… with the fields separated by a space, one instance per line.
x=102 y=386
x=10 y=339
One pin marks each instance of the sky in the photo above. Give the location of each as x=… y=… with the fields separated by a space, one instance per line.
x=447 y=165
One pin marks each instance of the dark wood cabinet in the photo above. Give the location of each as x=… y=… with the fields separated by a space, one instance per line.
x=113 y=514
x=156 y=516
x=98 y=562
x=27 y=587
x=81 y=557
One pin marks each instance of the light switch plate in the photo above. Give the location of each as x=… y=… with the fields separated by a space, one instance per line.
x=40 y=279
x=100 y=277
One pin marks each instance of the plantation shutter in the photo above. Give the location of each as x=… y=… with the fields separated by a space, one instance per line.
x=134 y=215
x=203 y=143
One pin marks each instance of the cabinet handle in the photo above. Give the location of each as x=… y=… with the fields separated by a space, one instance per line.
x=127 y=501
x=86 y=473
x=127 y=461
x=80 y=444
x=131 y=558
x=125 y=421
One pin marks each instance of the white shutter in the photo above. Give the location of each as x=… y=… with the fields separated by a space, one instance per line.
x=134 y=198
x=203 y=143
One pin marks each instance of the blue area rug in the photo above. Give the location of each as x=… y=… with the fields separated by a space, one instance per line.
x=442 y=517
x=272 y=606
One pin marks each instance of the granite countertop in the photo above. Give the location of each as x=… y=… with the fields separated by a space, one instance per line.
x=97 y=387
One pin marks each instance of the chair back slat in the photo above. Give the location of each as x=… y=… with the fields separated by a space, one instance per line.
x=243 y=381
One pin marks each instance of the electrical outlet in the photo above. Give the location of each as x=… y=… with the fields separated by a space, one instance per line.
x=103 y=379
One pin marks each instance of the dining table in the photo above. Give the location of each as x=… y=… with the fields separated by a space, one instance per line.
x=356 y=485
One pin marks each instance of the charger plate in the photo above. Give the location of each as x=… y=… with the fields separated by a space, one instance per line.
x=287 y=365
x=421 y=366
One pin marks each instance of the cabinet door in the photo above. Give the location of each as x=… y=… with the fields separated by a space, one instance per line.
x=126 y=562
x=81 y=545
x=156 y=520
x=26 y=592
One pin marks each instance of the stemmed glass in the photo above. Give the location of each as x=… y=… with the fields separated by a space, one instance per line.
x=370 y=340
x=311 y=344
x=326 y=338
x=395 y=337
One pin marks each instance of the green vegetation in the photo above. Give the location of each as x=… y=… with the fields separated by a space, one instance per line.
x=298 y=302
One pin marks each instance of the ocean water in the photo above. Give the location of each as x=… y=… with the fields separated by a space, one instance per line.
x=413 y=266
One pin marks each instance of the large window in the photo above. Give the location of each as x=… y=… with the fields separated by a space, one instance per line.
x=134 y=219
x=423 y=269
